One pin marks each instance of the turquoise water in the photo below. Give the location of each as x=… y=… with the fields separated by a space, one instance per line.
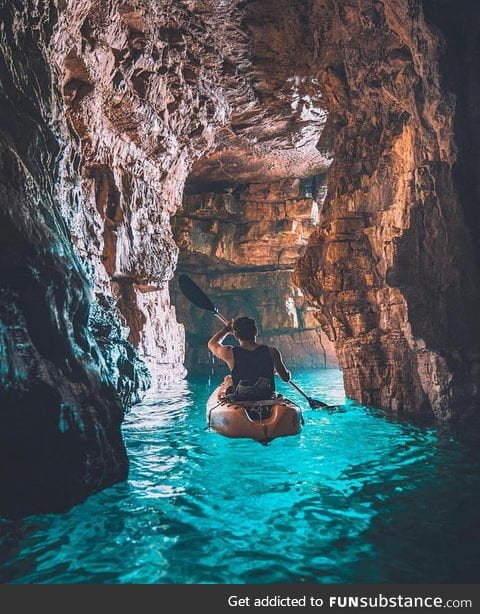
x=356 y=497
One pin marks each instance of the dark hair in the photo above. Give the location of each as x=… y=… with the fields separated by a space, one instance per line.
x=245 y=328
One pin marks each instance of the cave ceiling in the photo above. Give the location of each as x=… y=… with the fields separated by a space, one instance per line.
x=276 y=114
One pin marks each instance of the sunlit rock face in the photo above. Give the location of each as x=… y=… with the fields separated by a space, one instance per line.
x=241 y=246
x=149 y=89
x=276 y=112
x=139 y=83
x=393 y=265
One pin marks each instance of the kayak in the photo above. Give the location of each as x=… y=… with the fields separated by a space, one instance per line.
x=259 y=420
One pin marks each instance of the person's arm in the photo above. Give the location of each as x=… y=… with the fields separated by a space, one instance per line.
x=280 y=368
x=224 y=352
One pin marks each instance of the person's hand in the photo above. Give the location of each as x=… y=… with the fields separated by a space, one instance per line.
x=229 y=326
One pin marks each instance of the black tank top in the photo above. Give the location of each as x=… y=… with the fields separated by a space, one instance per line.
x=252 y=364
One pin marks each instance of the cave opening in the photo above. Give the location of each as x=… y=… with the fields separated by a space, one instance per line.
x=241 y=241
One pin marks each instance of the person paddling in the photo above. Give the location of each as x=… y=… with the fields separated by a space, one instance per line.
x=252 y=365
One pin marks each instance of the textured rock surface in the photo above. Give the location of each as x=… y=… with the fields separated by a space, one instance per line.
x=108 y=107
x=105 y=107
x=149 y=89
x=275 y=104
x=60 y=414
x=241 y=246
x=393 y=264
x=138 y=104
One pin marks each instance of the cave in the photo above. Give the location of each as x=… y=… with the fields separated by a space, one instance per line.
x=312 y=164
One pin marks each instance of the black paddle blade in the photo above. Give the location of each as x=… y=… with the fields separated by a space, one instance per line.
x=314 y=404
x=194 y=293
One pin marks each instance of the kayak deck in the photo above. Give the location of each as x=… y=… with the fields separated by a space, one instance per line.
x=262 y=421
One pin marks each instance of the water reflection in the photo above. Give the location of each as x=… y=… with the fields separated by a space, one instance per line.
x=356 y=497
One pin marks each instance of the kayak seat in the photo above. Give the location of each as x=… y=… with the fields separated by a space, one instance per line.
x=251 y=390
x=259 y=412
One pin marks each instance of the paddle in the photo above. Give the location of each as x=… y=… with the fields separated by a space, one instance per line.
x=198 y=297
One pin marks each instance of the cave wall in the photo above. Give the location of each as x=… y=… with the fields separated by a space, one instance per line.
x=105 y=107
x=108 y=107
x=86 y=245
x=60 y=411
x=241 y=243
x=148 y=90
x=393 y=265
x=140 y=92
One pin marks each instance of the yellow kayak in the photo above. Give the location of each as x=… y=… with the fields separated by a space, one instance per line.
x=259 y=420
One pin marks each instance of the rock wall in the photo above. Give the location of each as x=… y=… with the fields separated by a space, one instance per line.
x=393 y=265
x=60 y=412
x=139 y=83
x=148 y=90
x=105 y=107
x=108 y=107
x=241 y=246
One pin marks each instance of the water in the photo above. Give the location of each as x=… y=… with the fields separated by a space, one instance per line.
x=356 y=497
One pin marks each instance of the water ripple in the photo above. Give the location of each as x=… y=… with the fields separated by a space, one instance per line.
x=356 y=497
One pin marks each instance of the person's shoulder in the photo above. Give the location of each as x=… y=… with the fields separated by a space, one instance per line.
x=273 y=349
x=227 y=350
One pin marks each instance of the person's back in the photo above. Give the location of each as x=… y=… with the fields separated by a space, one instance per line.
x=252 y=365
x=253 y=372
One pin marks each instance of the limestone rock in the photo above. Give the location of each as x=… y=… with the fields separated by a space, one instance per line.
x=112 y=111
x=393 y=266
x=60 y=413
x=241 y=246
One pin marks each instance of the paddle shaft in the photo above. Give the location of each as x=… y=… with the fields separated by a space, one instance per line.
x=221 y=318
x=299 y=390
x=309 y=399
